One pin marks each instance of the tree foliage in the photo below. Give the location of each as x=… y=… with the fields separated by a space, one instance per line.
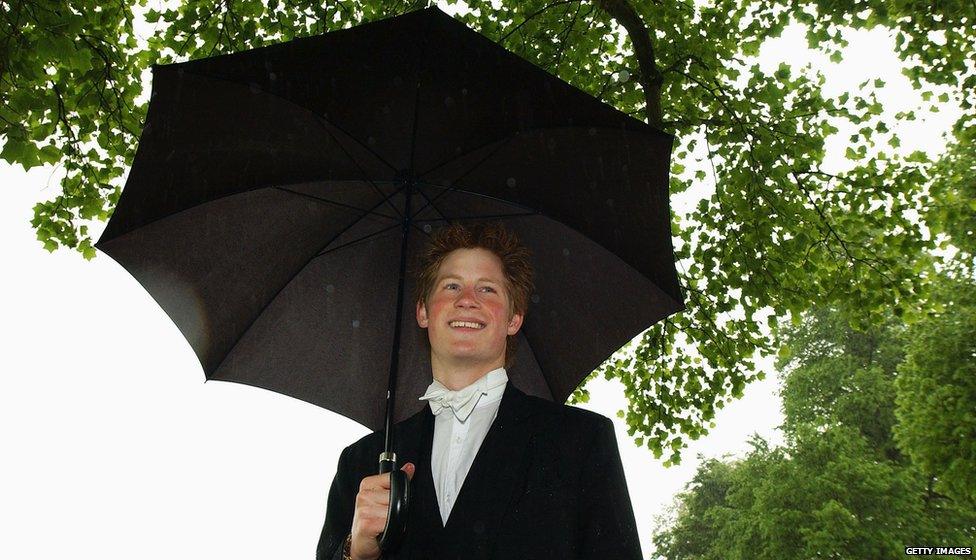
x=69 y=77
x=953 y=190
x=936 y=404
x=843 y=377
x=839 y=487
x=777 y=230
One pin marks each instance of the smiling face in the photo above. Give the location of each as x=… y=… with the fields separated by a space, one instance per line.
x=468 y=316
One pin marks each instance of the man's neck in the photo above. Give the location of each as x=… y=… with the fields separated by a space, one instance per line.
x=460 y=376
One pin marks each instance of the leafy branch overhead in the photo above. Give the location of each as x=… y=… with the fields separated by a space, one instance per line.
x=776 y=230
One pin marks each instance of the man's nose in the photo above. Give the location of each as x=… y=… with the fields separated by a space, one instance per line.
x=466 y=298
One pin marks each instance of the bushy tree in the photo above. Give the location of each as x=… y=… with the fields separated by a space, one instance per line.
x=936 y=404
x=840 y=376
x=839 y=487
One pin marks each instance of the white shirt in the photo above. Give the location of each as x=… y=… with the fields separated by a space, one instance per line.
x=456 y=443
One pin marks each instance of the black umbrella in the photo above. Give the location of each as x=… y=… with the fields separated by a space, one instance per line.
x=279 y=194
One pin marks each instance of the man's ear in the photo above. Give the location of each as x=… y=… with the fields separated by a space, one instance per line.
x=515 y=323
x=421 y=315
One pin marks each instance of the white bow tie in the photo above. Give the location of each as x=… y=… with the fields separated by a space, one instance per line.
x=461 y=402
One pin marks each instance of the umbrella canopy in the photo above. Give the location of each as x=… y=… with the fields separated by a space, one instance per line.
x=277 y=193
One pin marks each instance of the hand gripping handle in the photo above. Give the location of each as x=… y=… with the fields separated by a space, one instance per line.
x=396 y=516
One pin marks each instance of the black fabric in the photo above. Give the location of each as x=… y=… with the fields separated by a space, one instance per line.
x=546 y=483
x=266 y=208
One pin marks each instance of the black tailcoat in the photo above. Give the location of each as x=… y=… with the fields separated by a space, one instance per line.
x=547 y=482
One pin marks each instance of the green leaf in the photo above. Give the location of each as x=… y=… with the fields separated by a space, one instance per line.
x=48 y=154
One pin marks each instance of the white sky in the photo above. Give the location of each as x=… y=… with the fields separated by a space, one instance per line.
x=113 y=447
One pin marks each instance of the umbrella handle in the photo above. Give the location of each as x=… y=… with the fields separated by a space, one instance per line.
x=396 y=515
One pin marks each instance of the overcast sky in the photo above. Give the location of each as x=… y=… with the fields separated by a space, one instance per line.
x=113 y=447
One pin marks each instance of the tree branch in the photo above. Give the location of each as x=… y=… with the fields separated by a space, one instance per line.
x=650 y=77
x=534 y=14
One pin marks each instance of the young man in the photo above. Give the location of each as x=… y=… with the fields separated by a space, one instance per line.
x=540 y=479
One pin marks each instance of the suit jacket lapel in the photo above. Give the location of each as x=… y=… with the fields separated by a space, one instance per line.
x=497 y=473
x=414 y=438
x=486 y=495
x=425 y=509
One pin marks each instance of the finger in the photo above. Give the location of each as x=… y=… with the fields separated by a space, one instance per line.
x=373 y=496
x=375 y=481
x=380 y=497
x=409 y=468
x=370 y=520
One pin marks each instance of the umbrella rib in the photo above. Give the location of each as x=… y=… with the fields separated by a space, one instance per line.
x=419 y=229
x=272 y=298
x=444 y=217
x=454 y=188
x=500 y=143
x=473 y=167
x=480 y=217
x=354 y=139
x=416 y=96
x=416 y=113
x=351 y=207
x=318 y=117
x=250 y=190
x=322 y=122
x=431 y=204
x=347 y=228
x=361 y=239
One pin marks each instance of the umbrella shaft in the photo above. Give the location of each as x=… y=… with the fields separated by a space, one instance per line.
x=394 y=358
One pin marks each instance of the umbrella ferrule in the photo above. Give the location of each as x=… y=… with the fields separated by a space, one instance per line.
x=388 y=462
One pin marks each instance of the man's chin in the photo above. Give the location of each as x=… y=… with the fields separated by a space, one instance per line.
x=461 y=358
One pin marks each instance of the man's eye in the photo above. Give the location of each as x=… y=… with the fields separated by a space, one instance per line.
x=488 y=289
x=451 y=286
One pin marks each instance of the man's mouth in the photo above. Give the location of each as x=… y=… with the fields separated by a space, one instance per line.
x=466 y=325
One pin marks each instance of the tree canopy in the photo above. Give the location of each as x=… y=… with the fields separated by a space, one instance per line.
x=777 y=230
x=936 y=388
x=845 y=485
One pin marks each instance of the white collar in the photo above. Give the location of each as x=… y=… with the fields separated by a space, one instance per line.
x=487 y=389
